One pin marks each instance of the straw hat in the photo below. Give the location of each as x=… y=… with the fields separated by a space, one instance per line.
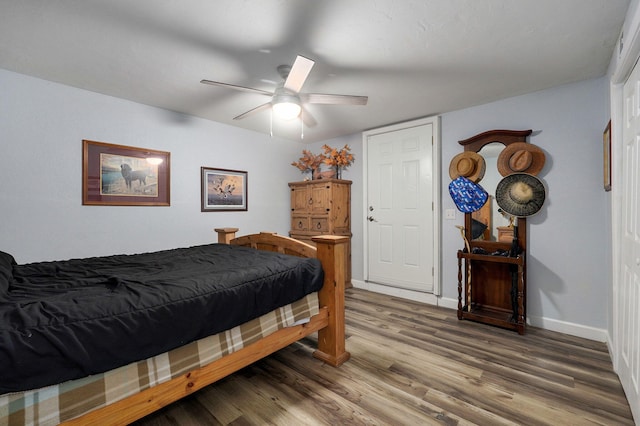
x=521 y=157
x=520 y=194
x=467 y=195
x=467 y=164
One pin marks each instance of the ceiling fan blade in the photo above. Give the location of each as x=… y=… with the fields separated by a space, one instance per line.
x=235 y=87
x=253 y=111
x=298 y=74
x=323 y=98
x=307 y=118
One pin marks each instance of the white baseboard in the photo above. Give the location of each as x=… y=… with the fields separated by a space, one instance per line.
x=578 y=330
x=445 y=302
x=573 y=329
x=613 y=353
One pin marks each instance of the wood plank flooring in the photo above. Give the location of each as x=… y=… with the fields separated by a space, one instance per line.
x=415 y=364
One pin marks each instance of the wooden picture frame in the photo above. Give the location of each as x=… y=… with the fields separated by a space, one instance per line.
x=223 y=190
x=606 y=150
x=117 y=175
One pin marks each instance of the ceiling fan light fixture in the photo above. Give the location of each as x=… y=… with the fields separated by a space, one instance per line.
x=285 y=102
x=286 y=107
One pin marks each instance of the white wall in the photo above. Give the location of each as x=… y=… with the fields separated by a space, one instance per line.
x=568 y=265
x=42 y=125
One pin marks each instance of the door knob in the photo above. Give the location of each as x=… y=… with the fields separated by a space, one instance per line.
x=371 y=219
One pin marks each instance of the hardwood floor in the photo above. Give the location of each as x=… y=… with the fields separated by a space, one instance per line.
x=415 y=364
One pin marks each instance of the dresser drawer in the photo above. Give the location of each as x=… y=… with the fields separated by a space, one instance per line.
x=316 y=225
x=319 y=224
x=299 y=223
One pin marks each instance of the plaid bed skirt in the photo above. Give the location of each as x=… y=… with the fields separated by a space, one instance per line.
x=57 y=403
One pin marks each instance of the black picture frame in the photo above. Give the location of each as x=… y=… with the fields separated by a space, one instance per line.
x=223 y=190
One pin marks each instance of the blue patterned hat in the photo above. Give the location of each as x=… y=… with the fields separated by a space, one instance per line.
x=467 y=195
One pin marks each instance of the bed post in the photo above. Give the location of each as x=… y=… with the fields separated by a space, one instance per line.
x=331 y=339
x=225 y=235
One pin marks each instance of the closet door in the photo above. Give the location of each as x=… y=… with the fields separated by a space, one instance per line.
x=627 y=314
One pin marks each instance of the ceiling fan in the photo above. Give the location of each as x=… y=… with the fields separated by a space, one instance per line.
x=286 y=100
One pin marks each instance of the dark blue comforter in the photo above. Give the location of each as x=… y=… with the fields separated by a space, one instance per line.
x=68 y=319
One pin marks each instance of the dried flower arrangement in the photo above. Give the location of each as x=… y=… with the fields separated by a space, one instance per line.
x=336 y=159
x=340 y=159
x=309 y=162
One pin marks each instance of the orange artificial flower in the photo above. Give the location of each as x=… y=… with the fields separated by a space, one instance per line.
x=342 y=158
x=308 y=161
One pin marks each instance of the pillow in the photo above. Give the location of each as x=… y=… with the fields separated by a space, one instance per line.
x=6 y=271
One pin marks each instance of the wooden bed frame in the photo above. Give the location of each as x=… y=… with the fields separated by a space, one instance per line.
x=329 y=323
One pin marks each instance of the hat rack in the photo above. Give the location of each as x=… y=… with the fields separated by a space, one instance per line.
x=494 y=285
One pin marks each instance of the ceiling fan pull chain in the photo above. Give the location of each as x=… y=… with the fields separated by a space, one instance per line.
x=271 y=123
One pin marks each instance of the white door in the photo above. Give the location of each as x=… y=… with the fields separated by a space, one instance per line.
x=628 y=294
x=400 y=223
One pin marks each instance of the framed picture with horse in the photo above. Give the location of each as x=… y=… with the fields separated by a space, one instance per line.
x=118 y=175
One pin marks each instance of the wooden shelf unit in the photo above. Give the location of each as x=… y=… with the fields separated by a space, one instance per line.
x=488 y=278
x=488 y=281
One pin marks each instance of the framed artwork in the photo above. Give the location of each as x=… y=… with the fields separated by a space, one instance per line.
x=606 y=145
x=117 y=175
x=223 y=190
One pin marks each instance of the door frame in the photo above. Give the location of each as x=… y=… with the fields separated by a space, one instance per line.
x=624 y=59
x=434 y=121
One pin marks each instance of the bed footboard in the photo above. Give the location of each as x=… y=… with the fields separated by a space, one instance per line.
x=331 y=251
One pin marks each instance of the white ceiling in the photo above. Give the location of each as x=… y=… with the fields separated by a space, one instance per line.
x=412 y=58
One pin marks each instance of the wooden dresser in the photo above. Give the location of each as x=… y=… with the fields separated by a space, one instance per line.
x=321 y=207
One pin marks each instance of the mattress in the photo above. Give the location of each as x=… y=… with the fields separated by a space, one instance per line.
x=69 y=319
x=57 y=403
